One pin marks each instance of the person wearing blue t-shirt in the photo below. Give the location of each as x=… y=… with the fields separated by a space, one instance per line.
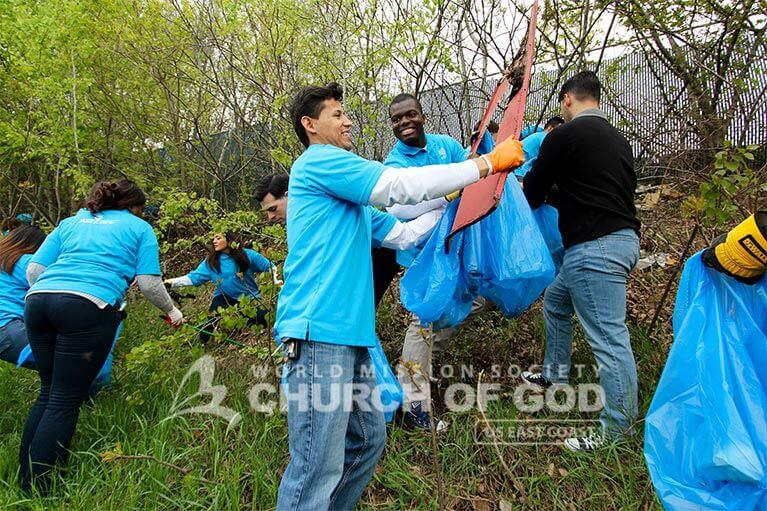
x=416 y=148
x=531 y=144
x=230 y=268
x=78 y=280
x=16 y=251
x=325 y=312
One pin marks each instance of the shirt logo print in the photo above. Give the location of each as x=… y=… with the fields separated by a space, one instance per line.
x=442 y=153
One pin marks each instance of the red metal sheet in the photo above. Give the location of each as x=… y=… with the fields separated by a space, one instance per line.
x=481 y=198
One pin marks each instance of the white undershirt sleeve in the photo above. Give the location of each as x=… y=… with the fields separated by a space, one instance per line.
x=180 y=281
x=405 y=235
x=408 y=211
x=412 y=185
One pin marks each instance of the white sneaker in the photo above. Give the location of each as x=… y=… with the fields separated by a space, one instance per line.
x=585 y=443
x=536 y=379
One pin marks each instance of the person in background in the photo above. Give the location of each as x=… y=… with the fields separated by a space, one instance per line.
x=16 y=251
x=272 y=195
x=531 y=144
x=230 y=268
x=488 y=138
x=78 y=280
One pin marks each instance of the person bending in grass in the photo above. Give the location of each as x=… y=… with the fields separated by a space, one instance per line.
x=16 y=251
x=230 y=267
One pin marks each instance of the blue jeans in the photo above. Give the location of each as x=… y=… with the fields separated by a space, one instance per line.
x=592 y=283
x=335 y=438
x=13 y=339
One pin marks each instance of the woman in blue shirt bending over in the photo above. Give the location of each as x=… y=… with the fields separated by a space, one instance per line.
x=16 y=251
x=78 y=280
x=230 y=267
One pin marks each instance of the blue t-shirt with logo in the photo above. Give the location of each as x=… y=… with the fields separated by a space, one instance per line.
x=531 y=145
x=230 y=281
x=13 y=288
x=98 y=255
x=439 y=150
x=328 y=291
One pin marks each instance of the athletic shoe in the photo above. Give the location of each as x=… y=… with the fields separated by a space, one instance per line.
x=416 y=419
x=585 y=443
x=536 y=379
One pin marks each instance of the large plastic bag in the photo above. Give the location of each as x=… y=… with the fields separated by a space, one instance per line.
x=503 y=258
x=434 y=287
x=547 y=218
x=388 y=385
x=517 y=265
x=706 y=429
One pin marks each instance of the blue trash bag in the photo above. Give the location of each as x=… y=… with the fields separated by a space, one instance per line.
x=433 y=287
x=388 y=385
x=706 y=429
x=503 y=258
x=547 y=218
x=516 y=266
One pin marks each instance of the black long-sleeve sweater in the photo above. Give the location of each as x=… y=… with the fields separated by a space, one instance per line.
x=592 y=165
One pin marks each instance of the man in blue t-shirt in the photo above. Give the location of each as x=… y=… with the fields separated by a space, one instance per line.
x=416 y=148
x=325 y=312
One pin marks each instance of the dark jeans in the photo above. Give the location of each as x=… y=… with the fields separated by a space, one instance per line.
x=70 y=338
x=225 y=301
x=385 y=268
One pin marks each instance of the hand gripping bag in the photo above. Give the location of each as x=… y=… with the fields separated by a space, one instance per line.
x=706 y=429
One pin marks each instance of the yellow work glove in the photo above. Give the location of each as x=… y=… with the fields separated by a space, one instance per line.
x=506 y=156
x=452 y=196
x=742 y=253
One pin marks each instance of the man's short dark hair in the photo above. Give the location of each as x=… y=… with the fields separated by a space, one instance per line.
x=308 y=101
x=492 y=126
x=584 y=85
x=276 y=184
x=553 y=122
x=399 y=98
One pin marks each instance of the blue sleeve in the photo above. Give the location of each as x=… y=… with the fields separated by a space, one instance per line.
x=344 y=175
x=49 y=251
x=394 y=160
x=258 y=263
x=458 y=153
x=487 y=143
x=381 y=224
x=148 y=255
x=201 y=274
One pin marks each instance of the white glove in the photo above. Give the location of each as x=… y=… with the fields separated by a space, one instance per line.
x=175 y=317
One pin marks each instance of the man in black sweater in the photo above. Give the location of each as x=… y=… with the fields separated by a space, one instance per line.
x=590 y=166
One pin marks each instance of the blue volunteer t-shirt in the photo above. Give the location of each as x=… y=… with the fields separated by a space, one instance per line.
x=328 y=291
x=531 y=145
x=230 y=281
x=439 y=150
x=13 y=287
x=98 y=255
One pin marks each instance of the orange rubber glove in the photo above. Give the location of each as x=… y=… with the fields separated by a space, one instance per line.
x=506 y=156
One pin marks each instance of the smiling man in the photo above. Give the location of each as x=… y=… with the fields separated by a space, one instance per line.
x=325 y=311
x=416 y=148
